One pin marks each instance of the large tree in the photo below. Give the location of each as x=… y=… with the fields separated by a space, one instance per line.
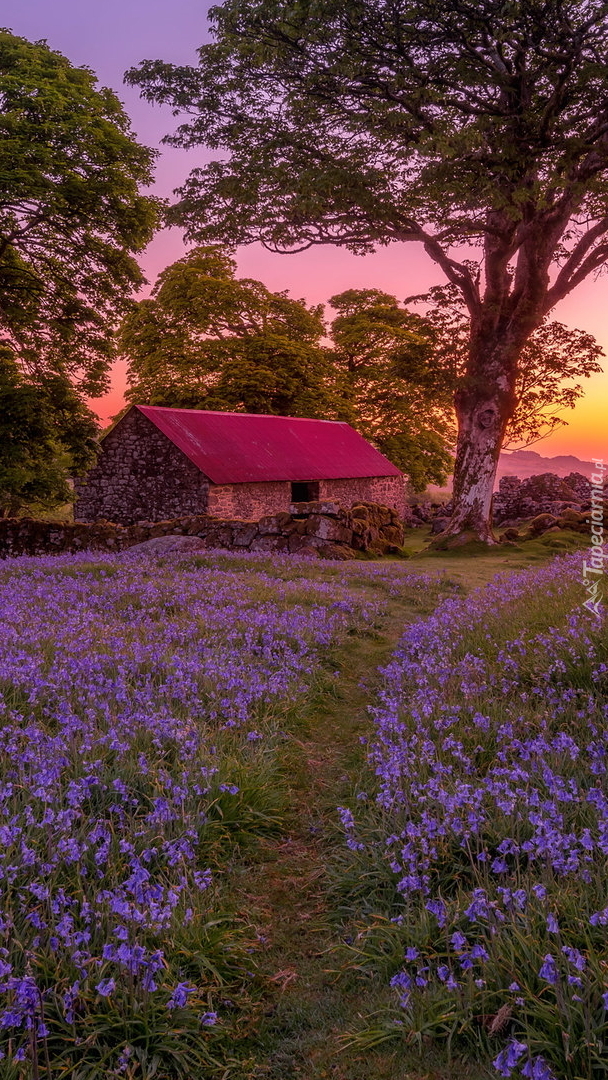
x=208 y=340
x=72 y=217
x=474 y=123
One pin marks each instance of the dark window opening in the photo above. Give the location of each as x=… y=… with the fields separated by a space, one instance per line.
x=304 y=491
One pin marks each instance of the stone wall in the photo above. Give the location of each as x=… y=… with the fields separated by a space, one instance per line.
x=249 y=501
x=546 y=501
x=317 y=529
x=140 y=475
x=384 y=490
x=546 y=493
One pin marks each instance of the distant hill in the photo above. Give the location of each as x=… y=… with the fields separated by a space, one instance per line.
x=524 y=463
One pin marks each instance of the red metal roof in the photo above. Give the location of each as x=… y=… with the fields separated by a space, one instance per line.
x=241 y=448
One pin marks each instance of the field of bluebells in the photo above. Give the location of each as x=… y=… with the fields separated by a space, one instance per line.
x=492 y=756
x=141 y=702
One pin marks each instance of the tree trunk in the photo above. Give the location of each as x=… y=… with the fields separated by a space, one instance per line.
x=484 y=406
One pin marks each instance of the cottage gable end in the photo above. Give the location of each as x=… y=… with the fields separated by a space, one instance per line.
x=140 y=475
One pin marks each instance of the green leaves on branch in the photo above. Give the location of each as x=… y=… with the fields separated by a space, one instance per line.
x=354 y=123
x=402 y=400
x=46 y=434
x=71 y=215
x=72 y=220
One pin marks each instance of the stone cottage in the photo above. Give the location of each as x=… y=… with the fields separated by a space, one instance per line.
x=159 y=463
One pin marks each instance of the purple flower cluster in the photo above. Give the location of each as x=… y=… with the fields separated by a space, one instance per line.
x=121 y=683
x=492 y=756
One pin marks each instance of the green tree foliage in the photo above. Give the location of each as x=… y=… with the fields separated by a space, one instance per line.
x=45 y=432
x=471 y=123
x=208 y=340
x=401 y=398
x=71 y=221
x=71 y=216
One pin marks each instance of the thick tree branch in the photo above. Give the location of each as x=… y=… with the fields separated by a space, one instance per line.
x=562 y=285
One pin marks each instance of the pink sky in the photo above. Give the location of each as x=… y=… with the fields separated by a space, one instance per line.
x=109 y=37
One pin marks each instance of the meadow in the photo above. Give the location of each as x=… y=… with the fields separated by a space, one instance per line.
x=250 y=828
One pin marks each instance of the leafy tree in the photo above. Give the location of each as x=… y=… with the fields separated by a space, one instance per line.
x=45 y=433
x=474 y=123
x=553 y=361
x=71 y=221
x=401 y=399
x=207 y=340
x=71 y=216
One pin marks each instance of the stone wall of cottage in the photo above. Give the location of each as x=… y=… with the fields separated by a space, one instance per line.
x=254 y=500
x=140 y=476
x=385 y=490
x=249 y=501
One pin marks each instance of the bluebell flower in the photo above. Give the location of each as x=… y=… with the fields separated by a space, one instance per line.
x=549 y=970
x=508 y=1059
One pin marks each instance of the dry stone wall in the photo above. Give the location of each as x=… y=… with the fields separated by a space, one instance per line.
x=543 y=494
x=317 y=529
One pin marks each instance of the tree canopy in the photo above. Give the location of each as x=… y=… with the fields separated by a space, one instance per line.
x=206 y=339
x=71 y=214
x=72 y=220
x=474 y=123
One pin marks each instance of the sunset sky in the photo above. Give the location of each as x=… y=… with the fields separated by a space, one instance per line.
x=113 y=35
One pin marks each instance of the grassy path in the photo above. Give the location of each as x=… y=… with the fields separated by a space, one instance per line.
x=290 y=888
x=286 y=889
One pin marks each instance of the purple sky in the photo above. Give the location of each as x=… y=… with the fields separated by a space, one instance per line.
x=110 y=36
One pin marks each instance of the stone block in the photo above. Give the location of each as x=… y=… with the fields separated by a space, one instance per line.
x=295 y=526
x=328 y=550
x=269 y=543
x=393 y=534
x=273 y=523
x=360 y=511
x=541 y=524
x=439 y=524
x=302 y=545
x=328 y=529
x=305 y=509
x=243 y=534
